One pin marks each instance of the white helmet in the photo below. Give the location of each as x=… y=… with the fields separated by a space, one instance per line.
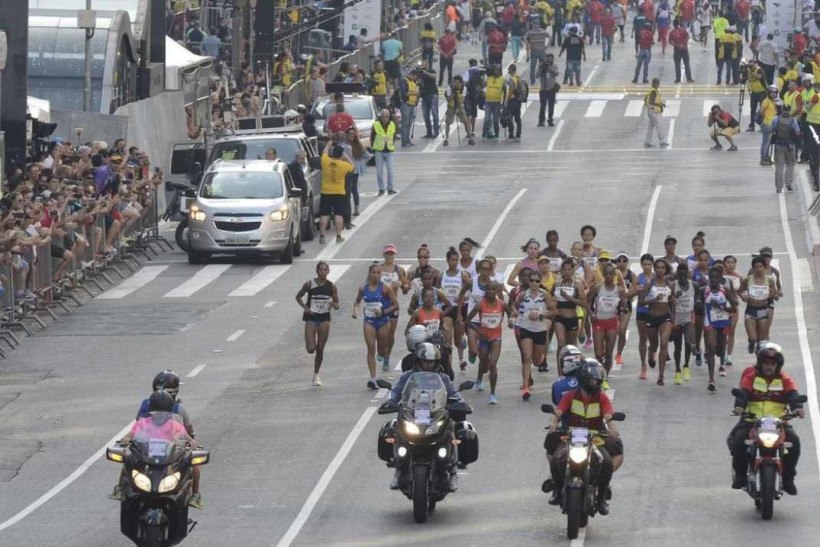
x=416 y=335
x=570 y=359
x=428 y=352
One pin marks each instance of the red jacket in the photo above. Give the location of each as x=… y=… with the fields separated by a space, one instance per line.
x=596 y=10
x=576 y=420
x=742 y=8
x=447 y=45
x=497 y=42
x=340 y=121
x=508 y=14
x=645 y=39
x=648 y=9
x=687 y=10
x=607 y=26
x=679 y=38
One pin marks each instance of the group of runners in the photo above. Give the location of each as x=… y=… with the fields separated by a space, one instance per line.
x=552 y=299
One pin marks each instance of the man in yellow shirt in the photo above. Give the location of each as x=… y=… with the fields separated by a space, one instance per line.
x=767 y=113
x=379 y=84
x=332 y=198
x=494 y=89
x=756 y=83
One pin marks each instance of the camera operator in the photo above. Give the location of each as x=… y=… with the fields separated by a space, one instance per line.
x=755 y=80
x=455 y=109
x=548 y=77
x=473 y=78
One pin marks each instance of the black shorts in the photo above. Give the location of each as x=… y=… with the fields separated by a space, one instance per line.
x=335 y=204
x=57 y=251
x=570 y=323
x=393 y=69
x=700 y=309
x=655 y=321
x=471 y=109
x=315 y=317
x=538 y=338
x=641 y=316
x=452 y=314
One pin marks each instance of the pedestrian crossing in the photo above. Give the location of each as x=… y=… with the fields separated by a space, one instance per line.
x=589 y=107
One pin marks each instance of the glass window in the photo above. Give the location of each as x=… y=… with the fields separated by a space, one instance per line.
x=254 y=149
x=242 y=185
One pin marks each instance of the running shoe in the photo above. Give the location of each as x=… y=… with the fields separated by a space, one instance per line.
x=479 y=385
x=385 y=363
x=712 y=387
x=619 y=360
x=493 y=400
x=660 y=380
x=317 y=381
x=686 y=374
x=678 y=378
x=196 y=501
x=750 y=347
x=616 y=367
x=728 y=360
x=371 y=384
x=722 y=371
x=652 y=362
x=525 y=394
x=588 y=343
x=463 y=365
x=471 y=357
x=642 y=375
x=543 y=368
x=699 y=358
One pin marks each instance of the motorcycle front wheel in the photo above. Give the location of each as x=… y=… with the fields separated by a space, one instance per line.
x=181 y=235
x=574 y=505
x=153 y=537
x=421 y=493
x=768 y=476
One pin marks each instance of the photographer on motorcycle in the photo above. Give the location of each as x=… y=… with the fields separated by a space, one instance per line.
x=427 y=360
x=588 y=406
x=766 y=391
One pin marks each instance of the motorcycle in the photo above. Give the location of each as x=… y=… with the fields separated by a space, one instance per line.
x=767 y=444
x=178 y=208
x=580 y=479
x=430 y=433
x=156 y=485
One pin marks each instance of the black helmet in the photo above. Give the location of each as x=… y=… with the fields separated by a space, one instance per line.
x=167 y=381
x=592 y=375
x=160 y=401
x=770 y=350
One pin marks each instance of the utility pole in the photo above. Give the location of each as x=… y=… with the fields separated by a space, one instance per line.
x=14 y=21
x=252 y=33
x=87 y=19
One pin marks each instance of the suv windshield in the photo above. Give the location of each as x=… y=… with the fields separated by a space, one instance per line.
x=254 y=149
x=241 y=185
x=359 y=108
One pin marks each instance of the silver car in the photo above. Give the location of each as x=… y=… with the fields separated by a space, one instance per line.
x=245 y=208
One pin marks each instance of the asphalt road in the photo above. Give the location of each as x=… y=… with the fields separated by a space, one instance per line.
x=293 y=463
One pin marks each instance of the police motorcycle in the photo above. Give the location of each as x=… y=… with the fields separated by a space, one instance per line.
x=767 y=445
x=580 y=479
x=428 y=437
x=157 y=485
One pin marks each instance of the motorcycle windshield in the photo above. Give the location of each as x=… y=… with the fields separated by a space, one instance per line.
x=158 y=439
x=425 y=395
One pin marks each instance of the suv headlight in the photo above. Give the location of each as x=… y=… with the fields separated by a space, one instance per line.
x=281 y=214
x=197 y=214
x=141 y=481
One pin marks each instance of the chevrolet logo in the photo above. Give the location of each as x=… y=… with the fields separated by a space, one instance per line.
x=237 y=220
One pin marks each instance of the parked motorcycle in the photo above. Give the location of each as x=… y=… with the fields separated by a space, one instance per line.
x=767 y=445
x=580 y=479
x=157 y=485
x=429 y=435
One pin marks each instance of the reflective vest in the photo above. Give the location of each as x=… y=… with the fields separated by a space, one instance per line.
x=495 y=85
x=767 y=398
x=654 y=106
x=585 y=415
x=412 y=93
x=384 y=137
x=807 y=95
x=813 y=116
x=790 y=99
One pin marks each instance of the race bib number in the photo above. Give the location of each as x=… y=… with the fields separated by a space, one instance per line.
x=590 y=261
x=718 y=315
x=659 y=294
x=685 y=304
x=566 y=292
x=607 y=304
x=451 y=291
x=432 y=326
x=370 y=308
x=491 y=320
x=759 y=292
x=555 y=264
x=320 y=306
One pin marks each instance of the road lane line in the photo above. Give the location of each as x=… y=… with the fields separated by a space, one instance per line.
x=802 y=330
x=707 y=106
x=435 y=143
x=591 y=74
x=672 y=109
x=197 y=370
x=498 y=222
x=235 y=336
x=200 y=279
x=332 y=248
x=327 y=476
x=270 y=304
x=60 y=486
x=554 y=137
x=136 y=281
x=595 y=109
x=337 y=271
x=804 y=272
x=634 y=109
x=650 y=216
x=268 y=275
x=579 y=541
x=671 y=134
x=560 y=106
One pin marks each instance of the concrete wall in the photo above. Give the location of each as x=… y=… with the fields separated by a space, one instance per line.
x=96 y=126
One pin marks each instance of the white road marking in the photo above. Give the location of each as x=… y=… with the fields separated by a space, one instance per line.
x=595 y=109
x=60 y=486
x=507 y=271
x=707 y=105
x=433 y=145
x=634 y=109
x=199 y=280
x=498 y=222
x=197 y=370
x=235 y=336
x=670 y=134
x=382 y=392
x=650 y=216
x=270 y=304
x=672 y=109
x=560 y=106
x=579 y=541
x=591 y=74
x=337 y=271
x=804 y=272
x=332 y=248
x=554 y=137
x=254 y=285
x=136 y=281
x=802 y=330
x=327 y=476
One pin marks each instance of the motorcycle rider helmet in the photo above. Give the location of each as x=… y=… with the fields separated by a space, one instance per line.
x=167 y=381
x=769 y=350
x=592 y=375
x=570 y=359
x=427 y=356
x=417 y=334
x=771 y=88
x=160 y=401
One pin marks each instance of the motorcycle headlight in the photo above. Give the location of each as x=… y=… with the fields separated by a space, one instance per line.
x=197 y=215
x=578 y=454
x=411 y=429
x=435 y=428
x=141 y=481
x=169 y=483
x=768 y=438
x=281 y=214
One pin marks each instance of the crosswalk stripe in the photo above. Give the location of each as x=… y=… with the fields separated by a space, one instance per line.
x=560 y=106
x=337 y=271
x=268 y=275
x=200 y=279
x=595 y=109
x=136 y=281
x=707 y=106
x=672 y=108
x=634 y=109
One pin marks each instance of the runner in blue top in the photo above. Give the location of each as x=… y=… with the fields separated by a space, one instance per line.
x=641 y=311
x=379 y=302
x=718 y=303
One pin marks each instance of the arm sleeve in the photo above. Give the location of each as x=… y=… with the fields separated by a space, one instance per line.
x=565 y=402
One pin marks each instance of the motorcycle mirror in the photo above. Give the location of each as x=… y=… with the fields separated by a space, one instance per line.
x=388 y=408
x=736 y=392
x=384 y=384
x=547 y=409
x=466 y=385
x=618 y=417
x=200 y=457
x=115 y=454
x=800 y=399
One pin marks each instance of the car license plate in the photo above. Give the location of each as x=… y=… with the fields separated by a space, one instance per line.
x=237 y=240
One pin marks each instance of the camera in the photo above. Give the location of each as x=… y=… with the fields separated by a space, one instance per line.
x=744 y=71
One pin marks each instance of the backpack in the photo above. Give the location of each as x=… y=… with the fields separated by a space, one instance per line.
x=783 y=131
